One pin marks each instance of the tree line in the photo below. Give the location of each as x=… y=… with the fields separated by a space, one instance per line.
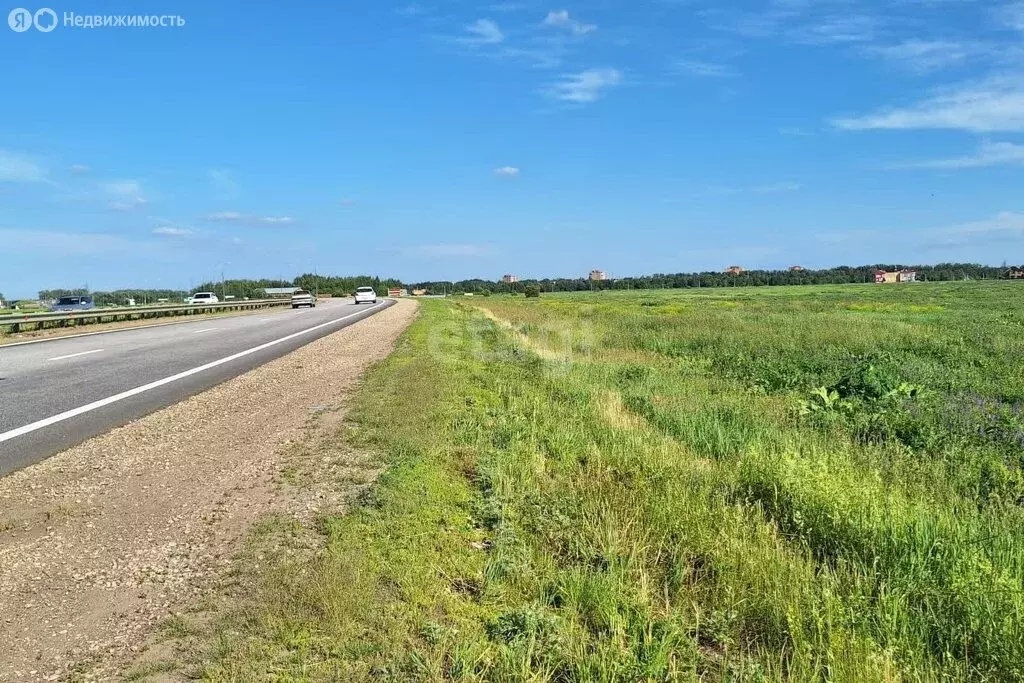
x=344 y=286
x=117 y=297
x=748 y=278
x=237 y=288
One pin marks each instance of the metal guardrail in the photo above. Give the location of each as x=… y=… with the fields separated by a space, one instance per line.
x=14 y=322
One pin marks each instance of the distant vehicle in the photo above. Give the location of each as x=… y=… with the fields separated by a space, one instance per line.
x=73 y=303
x=366 y=295
x=202 y=298
x=303 y=298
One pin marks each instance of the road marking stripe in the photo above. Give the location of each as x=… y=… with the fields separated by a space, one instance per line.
x=75 y=412
x=205 y=329
x=75 y=355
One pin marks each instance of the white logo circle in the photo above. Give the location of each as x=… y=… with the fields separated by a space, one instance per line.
x=19 y=19
x=47 y=27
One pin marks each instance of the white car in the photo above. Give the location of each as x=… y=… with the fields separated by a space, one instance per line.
x=366 y=295
x=303 y=298
x=203 y=298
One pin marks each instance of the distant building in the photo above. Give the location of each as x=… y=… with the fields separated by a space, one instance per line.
x=888 y=276
x=734 y=270
x=1015 y=273
x=797 y=269
x=509 y=279
x=419 y=292
x=598 y=275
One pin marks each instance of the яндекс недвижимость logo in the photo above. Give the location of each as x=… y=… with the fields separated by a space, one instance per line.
x=45 y=20
x=21 y=19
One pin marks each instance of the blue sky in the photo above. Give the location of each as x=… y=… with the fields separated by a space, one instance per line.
x=453 y=140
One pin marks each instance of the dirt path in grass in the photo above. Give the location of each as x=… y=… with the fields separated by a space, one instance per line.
x=101 y=543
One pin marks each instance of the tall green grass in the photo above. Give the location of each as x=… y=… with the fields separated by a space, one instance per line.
x=781 y=484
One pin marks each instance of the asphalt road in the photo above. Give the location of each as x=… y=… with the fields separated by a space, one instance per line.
x=57 y=393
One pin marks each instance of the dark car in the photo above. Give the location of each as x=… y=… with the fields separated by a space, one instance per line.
x=73 y=303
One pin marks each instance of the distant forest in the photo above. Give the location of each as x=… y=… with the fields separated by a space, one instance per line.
x=344 y=286
x=749 y=278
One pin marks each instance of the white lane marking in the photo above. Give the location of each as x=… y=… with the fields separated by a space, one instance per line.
x=205 y=329
x=76 y=355
x=81 y=410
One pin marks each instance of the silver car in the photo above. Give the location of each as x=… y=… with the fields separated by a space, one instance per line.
x=303 y=298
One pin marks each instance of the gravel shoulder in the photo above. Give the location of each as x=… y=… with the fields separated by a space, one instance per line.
x=102 y=543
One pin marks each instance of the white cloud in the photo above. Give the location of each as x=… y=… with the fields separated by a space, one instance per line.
x=248 y=219
x=410 y=10
x=126 y=195
x=995 y=105
x=703 y=69
x=484 y=32
x=561 y=19
x=225 y=216
x=19 y=168
x=507 y=171
x=171 y=231
x=586 y=86
x=852 y=28
x=79 y=169
x=127 y=205
x=1007 y=226
x=988 y=154
x=1006 y=221
x=124 y=188
x=922 y=56
x=557 y=18
x=798 y=21
x=772 y=188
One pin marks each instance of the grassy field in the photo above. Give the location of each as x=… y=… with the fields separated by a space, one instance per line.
x=813 y=483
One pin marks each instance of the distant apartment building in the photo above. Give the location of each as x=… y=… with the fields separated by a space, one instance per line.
x=598 y=275
x=509 y=279
x=734 y=270
x=1015 y=273
x=889 y=276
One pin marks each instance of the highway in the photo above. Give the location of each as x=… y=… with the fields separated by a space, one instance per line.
x=59 y=392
